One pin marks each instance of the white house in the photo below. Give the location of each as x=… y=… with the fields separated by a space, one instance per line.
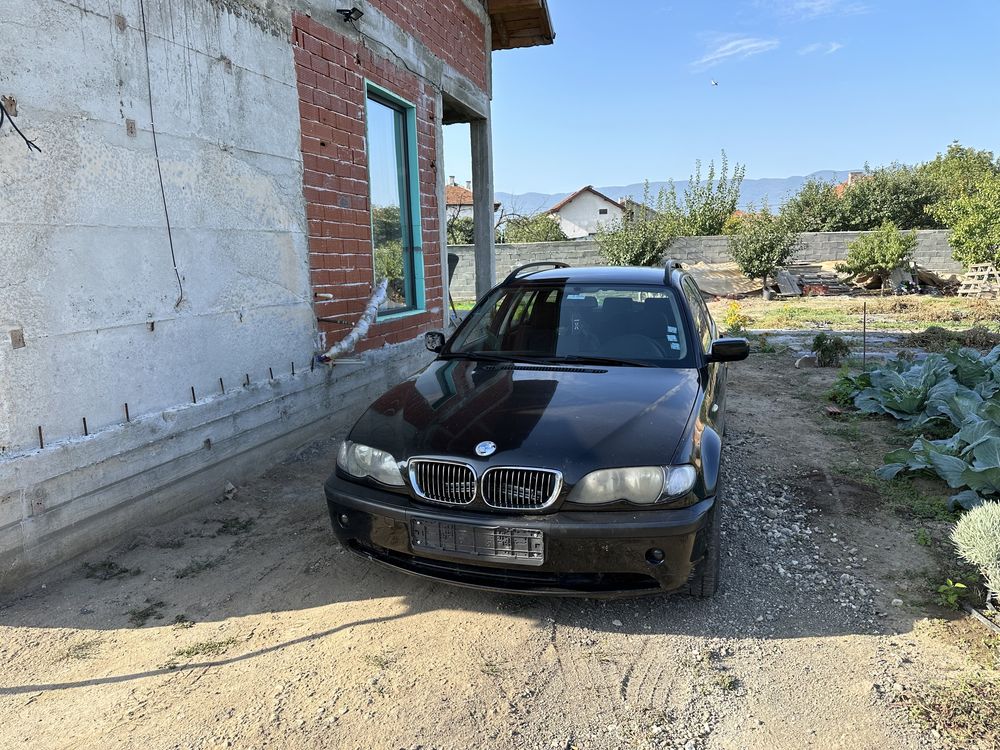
x=581 y=213
x=458 y=200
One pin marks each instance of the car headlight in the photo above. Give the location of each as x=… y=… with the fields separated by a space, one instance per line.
x=641 y=485
x=364 y=461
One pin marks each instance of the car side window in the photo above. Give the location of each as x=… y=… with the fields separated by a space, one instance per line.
x=699 y=311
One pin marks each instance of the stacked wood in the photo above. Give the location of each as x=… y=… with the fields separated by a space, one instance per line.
x=812 y=279
x=982 y=279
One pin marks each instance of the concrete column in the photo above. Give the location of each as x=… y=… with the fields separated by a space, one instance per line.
x=482 y=204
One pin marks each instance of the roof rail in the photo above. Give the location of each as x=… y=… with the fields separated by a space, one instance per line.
x=517 y=271
x=671 y=264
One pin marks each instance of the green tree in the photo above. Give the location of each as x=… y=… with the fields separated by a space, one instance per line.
x=460 y=230
x=639 y=238
x=896 y=193
x=879 y=252
x=975 y=223
x=814 y=208
x=706 y=204
x=960 y=169
x=534 y=228
x=959 y=173
x=762 y=243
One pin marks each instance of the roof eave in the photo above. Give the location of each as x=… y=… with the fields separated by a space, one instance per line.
x=520 y=23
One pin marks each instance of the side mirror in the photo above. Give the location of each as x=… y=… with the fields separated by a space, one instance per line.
x=434 y=341
x=729 y=350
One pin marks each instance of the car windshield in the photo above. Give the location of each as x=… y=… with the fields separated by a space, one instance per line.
x=614 y=324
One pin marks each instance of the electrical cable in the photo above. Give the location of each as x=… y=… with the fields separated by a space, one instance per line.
x=156 y=154
x=3 y=114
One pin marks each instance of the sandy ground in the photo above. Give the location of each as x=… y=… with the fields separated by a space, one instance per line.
x=243 y=625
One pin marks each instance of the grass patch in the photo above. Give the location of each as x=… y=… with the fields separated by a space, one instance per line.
x=205 y=648
x=106 y=570
x=82 y=650
x=198 y=565
x=140 y=615
x=900 y=494
x=937 y=339
x=965 y=712
x=382 y=660
x=908 y=313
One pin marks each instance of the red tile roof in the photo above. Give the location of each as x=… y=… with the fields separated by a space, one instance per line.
x=456 y=195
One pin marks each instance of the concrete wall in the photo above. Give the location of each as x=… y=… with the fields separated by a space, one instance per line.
x=932 y=252
x=581 y=216
x=88 y=276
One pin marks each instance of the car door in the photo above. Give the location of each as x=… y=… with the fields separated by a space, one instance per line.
x=714 y=372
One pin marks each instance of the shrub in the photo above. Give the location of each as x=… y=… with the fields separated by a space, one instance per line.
x=830 y=350
x=815 y=208
x=896 y=193
x=975 y=223
x=735 y=322
x=977 y=538
x=762 y=243
x=536 y=228
x=732 y=225
x=460 y=230
x=707 y=204
x=640 y=238
x=878 y=253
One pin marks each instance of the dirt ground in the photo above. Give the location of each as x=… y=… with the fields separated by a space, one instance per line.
x=243 y=625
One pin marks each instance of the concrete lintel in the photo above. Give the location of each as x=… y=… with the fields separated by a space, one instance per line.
x=482 y=191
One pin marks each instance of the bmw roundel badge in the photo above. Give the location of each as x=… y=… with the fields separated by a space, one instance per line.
x=486 y=448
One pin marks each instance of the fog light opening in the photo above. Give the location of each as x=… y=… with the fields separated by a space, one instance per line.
x=343 y=520
x=655 y=556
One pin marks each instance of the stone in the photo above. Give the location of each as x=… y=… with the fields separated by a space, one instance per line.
x=808 y=360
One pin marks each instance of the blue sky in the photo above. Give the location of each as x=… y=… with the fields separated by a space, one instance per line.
x=624 y=94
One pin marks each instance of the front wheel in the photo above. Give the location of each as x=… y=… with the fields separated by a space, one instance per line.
x=704 y=581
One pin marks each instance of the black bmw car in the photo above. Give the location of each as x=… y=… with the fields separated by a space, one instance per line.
x=566 y=439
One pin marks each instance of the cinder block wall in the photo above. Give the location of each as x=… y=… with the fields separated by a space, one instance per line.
x=933 y=252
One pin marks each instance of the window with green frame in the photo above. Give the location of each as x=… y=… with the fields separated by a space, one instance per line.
x=395 y=200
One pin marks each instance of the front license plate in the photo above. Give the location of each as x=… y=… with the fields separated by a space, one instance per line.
x=524 y=546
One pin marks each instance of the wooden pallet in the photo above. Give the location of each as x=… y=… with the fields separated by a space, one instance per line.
x=813 y=280
x=981 y=279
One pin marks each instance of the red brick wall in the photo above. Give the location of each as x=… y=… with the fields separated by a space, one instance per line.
x=330 y=70
x=447 y=28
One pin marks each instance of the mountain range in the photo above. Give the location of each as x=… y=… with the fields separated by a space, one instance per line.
x=774 y=190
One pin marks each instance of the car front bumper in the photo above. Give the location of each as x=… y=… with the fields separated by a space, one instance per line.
x=595 y=553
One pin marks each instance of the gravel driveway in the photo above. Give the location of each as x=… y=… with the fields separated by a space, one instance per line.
x=242 y=625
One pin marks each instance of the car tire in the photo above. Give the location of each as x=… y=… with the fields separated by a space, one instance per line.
x=704 y=581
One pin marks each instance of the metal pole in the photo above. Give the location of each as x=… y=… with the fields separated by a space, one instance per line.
x=864 y=335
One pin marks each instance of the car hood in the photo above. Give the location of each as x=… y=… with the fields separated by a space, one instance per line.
x=573 y=419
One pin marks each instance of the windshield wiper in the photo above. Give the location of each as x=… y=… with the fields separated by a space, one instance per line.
x=596 y=360
x=481 y=356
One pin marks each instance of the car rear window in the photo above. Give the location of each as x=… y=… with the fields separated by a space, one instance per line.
x=553 y=321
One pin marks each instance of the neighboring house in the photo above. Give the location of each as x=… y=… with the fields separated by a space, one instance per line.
x=459 y=200
x=635 y=211
x=581 y=213
x=852 y=177
x=166 y=292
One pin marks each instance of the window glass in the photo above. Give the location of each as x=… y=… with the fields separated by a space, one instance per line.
x=635 y=323
x=388 y=175
x=702 y=318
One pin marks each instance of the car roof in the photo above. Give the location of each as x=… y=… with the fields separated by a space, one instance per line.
x=598 y=274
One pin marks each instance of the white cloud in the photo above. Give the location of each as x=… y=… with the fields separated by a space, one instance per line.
x=732 y=47
x=804 y=10
x=826 y=48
